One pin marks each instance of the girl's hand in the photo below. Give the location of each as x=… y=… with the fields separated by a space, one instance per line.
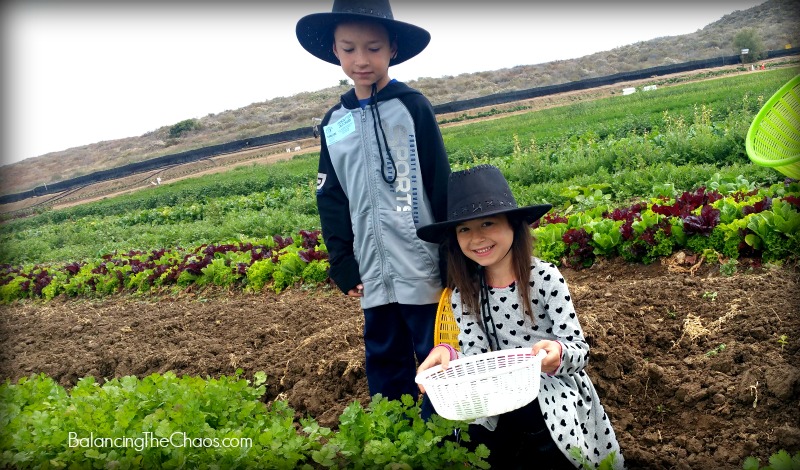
x=552 y=361
x=438 y=355
x=357 y=291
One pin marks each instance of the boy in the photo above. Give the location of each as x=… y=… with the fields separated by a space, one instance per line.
x=383 y=172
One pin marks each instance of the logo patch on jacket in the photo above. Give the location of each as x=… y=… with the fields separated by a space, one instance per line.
x=321 y=178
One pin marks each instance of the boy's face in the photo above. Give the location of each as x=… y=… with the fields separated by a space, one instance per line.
x=364 y=50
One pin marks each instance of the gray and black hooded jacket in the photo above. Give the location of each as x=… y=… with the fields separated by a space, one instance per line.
x=382 y=173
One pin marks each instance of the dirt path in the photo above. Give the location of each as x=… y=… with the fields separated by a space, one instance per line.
x=692 y=369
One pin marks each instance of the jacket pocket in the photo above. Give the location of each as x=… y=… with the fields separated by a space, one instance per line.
x=407 y=255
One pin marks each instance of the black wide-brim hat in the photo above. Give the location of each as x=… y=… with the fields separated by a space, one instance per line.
x=481 y=191
x=315 y=31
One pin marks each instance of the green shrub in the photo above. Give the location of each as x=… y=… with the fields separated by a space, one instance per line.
x=183 y=127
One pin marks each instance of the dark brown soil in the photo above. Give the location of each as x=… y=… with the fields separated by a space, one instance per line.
x=677 y=397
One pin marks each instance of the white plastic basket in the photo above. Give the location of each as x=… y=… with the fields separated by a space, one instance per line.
x=484 y=384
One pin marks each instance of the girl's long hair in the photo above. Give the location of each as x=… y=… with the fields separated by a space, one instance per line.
x=463 y=273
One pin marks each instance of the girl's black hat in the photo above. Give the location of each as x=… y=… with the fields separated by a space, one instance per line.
x=315 y=31
x=478 y=192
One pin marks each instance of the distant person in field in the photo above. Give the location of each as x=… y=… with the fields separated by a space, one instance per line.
x=383 y=172
x=505 y=298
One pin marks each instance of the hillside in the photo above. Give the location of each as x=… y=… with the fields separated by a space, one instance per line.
x=776 y=22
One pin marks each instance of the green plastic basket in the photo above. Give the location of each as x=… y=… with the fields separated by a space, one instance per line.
x=773 y=139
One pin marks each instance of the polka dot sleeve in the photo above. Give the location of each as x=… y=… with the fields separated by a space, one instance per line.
x=553 y=305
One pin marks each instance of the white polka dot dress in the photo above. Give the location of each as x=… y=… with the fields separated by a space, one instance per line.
x=569 y=402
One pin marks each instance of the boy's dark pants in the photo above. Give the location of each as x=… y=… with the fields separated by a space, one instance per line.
x=393 y=335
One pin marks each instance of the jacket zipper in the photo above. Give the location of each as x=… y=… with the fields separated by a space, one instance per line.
x=376 y=212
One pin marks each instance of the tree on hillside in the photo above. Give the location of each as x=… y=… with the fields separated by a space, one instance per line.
x=749 y=39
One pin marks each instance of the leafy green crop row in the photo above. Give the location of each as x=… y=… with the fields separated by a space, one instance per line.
x=638 y=113
x=218 y=220
x=162 y=421
x=759 y=222
x=724 y=222
x=279 y=262
x=241 y=181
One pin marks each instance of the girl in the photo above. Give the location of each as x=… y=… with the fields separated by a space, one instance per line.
x=503 y=298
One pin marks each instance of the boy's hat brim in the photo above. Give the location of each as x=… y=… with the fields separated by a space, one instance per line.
x=315 y=31
x=481 y=191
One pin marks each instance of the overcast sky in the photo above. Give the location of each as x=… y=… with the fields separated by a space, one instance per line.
x=76 y=73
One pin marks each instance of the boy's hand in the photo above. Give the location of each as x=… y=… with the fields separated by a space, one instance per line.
x=438 y=355
x=357 y=291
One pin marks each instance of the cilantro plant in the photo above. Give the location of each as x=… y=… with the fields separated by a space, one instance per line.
x=162 y=421
x=780 y=460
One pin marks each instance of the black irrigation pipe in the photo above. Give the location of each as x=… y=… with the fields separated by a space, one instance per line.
x=159 y=163
x=60 y=196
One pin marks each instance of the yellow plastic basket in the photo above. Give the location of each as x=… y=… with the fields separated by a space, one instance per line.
x=773 y=139
x=446 y=329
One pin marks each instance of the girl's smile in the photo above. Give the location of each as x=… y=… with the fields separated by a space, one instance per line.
x=483 y=251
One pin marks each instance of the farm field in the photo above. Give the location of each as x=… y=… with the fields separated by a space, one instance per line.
x=278 y=152
x=690 y=367
x=681 y=256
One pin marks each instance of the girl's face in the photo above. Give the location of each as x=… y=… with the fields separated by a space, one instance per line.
x=487 y=241
x=364 y=50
